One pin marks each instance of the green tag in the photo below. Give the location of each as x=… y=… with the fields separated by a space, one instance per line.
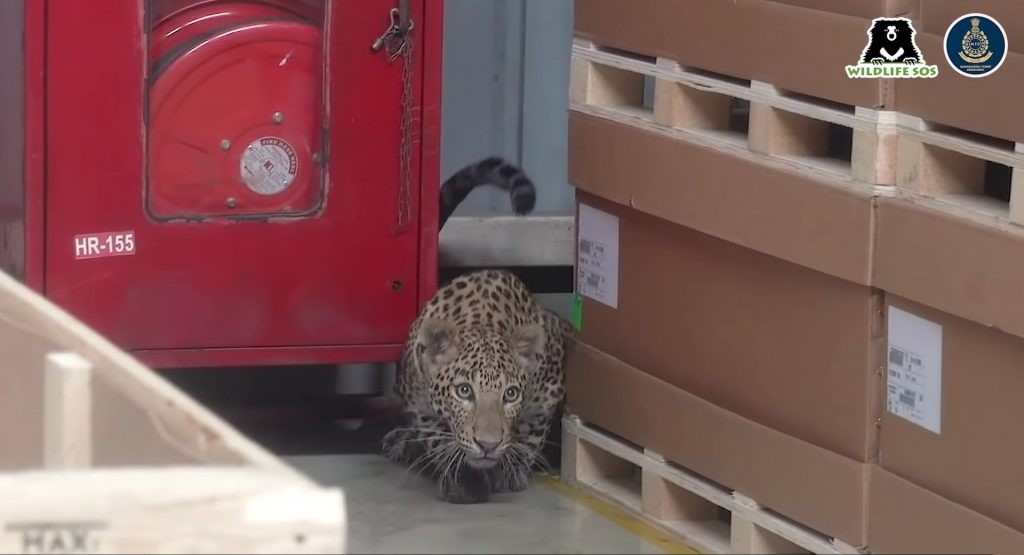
x=577 y=311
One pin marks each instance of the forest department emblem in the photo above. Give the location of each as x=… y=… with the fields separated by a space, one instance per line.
x=975 y=45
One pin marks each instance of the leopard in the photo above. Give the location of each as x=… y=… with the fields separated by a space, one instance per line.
x=492 y=170
x=480 y=378
x=481 y=383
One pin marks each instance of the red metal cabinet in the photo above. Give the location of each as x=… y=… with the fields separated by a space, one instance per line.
x=219 y=182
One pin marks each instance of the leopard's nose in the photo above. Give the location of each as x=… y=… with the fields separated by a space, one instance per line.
x=487 y=446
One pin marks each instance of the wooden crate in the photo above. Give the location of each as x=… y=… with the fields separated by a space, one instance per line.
x=886 y=153
x=701 y=513
x=98 y=454
x=953 y=167
x=845 y=146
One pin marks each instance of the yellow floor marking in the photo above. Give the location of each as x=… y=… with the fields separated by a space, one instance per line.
x=665 y=542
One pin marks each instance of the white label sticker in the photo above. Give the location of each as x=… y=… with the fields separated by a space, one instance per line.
x=268 y=165
x=100 y=245
x=915 y=369
x=597 y=267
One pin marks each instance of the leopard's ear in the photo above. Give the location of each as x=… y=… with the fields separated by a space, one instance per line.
x=438 y=340
x=528 y=344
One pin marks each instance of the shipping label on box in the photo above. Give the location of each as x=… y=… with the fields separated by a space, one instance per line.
x=597 y=264
x=915 y=369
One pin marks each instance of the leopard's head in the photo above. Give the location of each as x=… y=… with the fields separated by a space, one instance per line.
x=478 y=376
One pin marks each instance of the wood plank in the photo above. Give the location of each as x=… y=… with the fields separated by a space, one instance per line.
x=793 y=128
x=759 y=528
x=1017 y=190
x=67 y=431
x=787 y=131
x=171 y=510
x=181 y=416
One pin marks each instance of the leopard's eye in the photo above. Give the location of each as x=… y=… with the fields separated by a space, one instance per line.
x=464 y=391
x=511 y=394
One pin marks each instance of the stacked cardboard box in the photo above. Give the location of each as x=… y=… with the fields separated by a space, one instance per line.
x=794 y=47
x=951 y=277
x=988 y=105
x=785 y=354
x=864 y=10
x=738 y=334
x=744 y=297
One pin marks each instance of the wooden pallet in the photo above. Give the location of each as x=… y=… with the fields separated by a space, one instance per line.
x=842 y=144
x=101 y=455
x=885 y=152
x=950 y=165
x=701 y=513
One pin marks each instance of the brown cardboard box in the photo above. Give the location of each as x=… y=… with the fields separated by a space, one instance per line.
x=806 y=483
x=777 y=212
x=706 y=305
x=934 y=255
x=972 y=458
x=937 y=15
x=750 y=265
x=749 y=39
x=905 y=518
x=749 y=320
x=963 y=279
x=988 y=105
x=766 y=339
x=862 y=9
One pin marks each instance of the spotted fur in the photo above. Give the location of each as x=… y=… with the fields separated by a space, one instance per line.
x=481 y=384
x=489 y=171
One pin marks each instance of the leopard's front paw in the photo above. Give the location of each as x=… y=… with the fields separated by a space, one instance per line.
x=466 y=488
x=509 y=479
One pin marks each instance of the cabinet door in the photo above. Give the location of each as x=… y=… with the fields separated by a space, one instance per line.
x=226 y=174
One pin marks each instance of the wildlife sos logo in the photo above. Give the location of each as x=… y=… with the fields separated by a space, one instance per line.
x=975 y=45
x=891 y=52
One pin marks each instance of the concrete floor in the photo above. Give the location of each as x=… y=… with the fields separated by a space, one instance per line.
x=392 y=511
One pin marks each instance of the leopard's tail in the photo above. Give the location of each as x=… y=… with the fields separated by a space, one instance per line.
x=489 y=171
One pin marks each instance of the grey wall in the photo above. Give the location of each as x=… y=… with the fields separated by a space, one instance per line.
x=506 y=82
x=12 y=137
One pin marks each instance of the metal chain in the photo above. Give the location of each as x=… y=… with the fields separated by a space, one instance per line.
x=405 y=150
x=397 y=42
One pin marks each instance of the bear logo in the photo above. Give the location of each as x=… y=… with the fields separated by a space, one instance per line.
x=891 y=52
x=891 y=41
